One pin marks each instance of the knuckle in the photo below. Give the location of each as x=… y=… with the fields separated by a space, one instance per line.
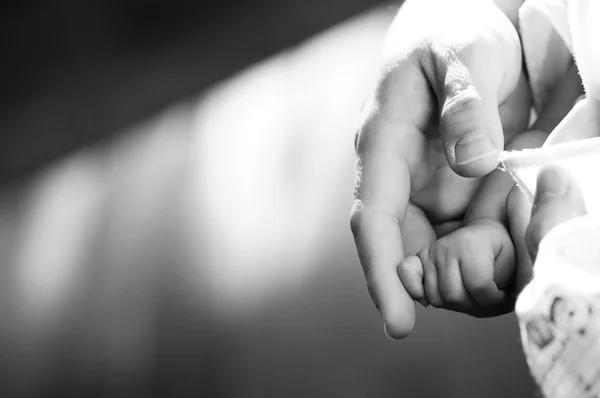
x=442 y=245
x=462 y=115
x=479 y=287
x=424 y=254
x=466 y=242
x=440 y=251
x=451 y=295
x=436 y=302
x=441 y=263
x=467 y=101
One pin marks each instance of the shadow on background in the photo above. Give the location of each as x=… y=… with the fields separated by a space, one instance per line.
x=78 y=71
x=172 y=240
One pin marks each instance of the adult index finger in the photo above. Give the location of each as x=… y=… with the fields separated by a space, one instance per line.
x=390 y=144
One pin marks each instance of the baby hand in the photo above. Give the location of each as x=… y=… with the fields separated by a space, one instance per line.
x=467 y=271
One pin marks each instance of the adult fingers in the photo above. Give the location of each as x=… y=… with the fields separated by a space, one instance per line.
x=389 y=146
x=470 y=83
x=558 y=198
x=376 y=223
x=469 y=122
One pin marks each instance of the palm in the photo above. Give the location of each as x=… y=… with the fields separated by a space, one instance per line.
x=441 y=195
x=438 y=194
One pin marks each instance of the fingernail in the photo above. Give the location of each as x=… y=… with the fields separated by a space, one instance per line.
x=473 y=148
x=551 y=183
x=423 y=302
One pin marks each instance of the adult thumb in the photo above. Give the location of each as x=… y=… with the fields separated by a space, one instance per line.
x=470 y=125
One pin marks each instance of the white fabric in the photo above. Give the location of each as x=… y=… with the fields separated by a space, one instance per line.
x=581 y=158
x=559 y=311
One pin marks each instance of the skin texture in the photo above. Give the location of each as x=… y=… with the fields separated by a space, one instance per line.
x=451 y=92
x=445 y=273
x=438 y=99
x=466 y=271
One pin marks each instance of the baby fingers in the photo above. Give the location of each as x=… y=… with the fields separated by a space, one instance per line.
x=443 y=284
x=410 y=272
x=452 y=288
x=480 y=285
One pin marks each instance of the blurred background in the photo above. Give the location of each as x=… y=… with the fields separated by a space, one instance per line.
x=175 y=184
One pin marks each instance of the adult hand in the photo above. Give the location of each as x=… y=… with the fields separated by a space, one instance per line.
x=451 y=91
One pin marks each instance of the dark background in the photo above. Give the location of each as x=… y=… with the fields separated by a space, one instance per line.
x=76 y=71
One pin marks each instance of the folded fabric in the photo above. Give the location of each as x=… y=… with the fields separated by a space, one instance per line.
x=559 y=310
x=581 y=158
